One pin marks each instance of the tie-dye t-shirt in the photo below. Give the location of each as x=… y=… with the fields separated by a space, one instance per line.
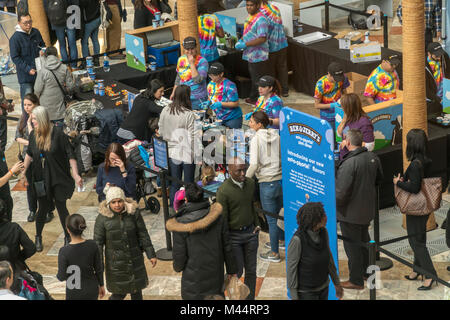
x=277 y=38
x=255 y=27
x=329 y=92
x=436 y=67
x=198 y=90
x=224 y=92
x=208 y=24
x=382 y=85
x=271 y=107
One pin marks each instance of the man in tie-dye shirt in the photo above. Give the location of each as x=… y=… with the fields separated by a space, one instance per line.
x=208 y=28
x=329 y=90
x=192 y=70
x=436 y=65
x=255 y=46
x=277 y=45
x=383 y=82
x=223 y=97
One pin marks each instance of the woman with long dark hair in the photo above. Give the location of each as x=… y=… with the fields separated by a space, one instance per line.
x=54 y=170
x=419 y=168
x=309 y=258
x=117 y=171
x=265 y=163
x=269 y=100
x=85 y=255
x=176 y=126
x=135 y=125
x=24 y=128
x=355 y=118
x=145 y=11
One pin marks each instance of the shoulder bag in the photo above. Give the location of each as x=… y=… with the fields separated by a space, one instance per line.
x=423 y=203
x=67 y=97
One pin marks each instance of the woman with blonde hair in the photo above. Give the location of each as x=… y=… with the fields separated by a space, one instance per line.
x=52 y=158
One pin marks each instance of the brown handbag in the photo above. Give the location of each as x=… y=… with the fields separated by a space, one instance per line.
x=422 y=203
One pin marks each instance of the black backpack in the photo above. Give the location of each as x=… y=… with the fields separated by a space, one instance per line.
x=57 y=12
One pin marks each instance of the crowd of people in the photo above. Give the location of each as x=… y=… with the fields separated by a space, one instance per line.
x=207 y=234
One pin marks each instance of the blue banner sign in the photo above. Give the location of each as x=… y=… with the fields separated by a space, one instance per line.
x=308 y=166
x=161 y=153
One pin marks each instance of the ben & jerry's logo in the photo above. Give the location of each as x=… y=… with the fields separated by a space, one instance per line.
x=297 y=128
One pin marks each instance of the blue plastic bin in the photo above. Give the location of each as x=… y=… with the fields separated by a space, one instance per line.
x=165 y=56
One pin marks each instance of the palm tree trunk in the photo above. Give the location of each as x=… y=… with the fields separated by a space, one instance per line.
x=39 y=17
x=414 y=104
x=187 y=20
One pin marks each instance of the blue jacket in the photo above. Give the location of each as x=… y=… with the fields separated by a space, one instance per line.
x=24 y=48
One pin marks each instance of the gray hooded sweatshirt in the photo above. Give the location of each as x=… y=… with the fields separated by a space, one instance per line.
x=47 y=89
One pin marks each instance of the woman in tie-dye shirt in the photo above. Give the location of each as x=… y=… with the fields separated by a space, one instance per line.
x=269 y=101
x=192 y=71
x=208 y=28
x=383 y=82
x=223 y=98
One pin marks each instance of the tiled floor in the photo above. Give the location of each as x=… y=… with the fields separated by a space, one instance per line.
x=271 y=284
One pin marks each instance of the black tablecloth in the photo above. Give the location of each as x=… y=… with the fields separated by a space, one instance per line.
x=392 y=162
x=310 y=62
x=106 y=100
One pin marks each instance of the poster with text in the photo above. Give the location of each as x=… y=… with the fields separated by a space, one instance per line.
x=307 y=162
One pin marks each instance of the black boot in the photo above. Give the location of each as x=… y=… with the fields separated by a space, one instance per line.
x=38 y=243
x=50 y=216
x=31 y=216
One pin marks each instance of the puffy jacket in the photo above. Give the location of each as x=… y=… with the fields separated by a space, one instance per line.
x=123 y=237
x=200 y=247
x=20 y=247
x=24 y=48
x=357 y=177
x=47 y=89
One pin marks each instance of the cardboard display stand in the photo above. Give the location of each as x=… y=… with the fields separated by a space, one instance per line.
x=137 y=43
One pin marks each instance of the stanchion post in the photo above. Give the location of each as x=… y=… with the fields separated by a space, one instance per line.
x=327 y=15
x=385 y=31
x=165 y=254
x=382 y=263
x=372 y=262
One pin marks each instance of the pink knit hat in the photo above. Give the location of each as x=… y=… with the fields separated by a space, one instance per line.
x=178 y=200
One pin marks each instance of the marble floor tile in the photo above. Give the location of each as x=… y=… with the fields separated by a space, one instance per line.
x=273 y=288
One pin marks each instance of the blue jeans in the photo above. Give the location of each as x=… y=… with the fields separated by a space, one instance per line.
x=177 y=168
x=271 y=196
x=90 y=31
x=72 y=42
x=24 y=89
x=233 y=123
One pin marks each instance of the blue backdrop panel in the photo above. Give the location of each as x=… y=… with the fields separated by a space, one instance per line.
x=308 y=171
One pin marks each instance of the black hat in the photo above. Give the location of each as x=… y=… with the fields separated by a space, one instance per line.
x=216 y=68
x=436 y=49
x=189 y=43
x=393 y=59
x=266 y=81
x=336 y=71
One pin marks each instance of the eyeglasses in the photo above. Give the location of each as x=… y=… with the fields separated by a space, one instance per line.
x=29 y=22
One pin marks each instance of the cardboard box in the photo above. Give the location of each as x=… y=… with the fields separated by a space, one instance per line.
x=365 y=52
x=357 y=83
x=346 y=38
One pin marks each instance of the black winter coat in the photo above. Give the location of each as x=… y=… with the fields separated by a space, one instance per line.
x=357 y=178
x=200 y=247
x=123 y=237
x=20 y=246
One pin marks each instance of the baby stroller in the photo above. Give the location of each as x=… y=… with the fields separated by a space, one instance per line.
x=141 y=157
